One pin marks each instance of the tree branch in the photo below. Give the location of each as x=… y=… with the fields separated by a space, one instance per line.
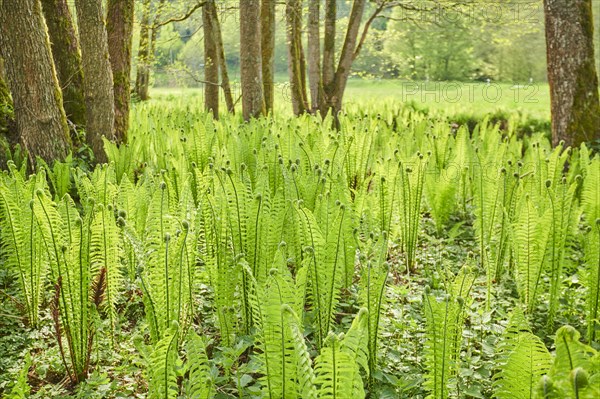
x=363 y=36
x=183 y=17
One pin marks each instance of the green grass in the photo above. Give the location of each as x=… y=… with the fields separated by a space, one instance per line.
x=473 y=98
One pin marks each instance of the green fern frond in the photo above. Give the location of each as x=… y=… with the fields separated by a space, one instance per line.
x=523 y=360
x=200 y=383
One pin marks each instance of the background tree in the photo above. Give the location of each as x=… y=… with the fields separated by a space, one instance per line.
x=314 y=53
x=211 y=65
x=142 y=79
x=267 y=31
x=119 y=28
x=218 y=36
x=296 y=58
x=98 y=82
x=25 y=47
x=571 y=71
x=253 y=104
x=67 y=58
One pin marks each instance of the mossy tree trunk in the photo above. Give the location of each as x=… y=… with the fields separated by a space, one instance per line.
x=142 y=77
x=572 y=72
x=67 y=58
x=120 y=34
x=253 y=104
x=267 y=30
x=37 y=98
x=296 y=58
x=329 y=39
x=98 y=79
x=225 y=82
x=147 y=47
x=211 y=65
x=314 y=53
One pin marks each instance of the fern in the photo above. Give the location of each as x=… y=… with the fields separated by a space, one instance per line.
x=200 y=383
x=338 y=366
x=590 y=203
x=21 y=238
x=372 y=295
x=163 y=364
x=522 y=361
x=575 y=370
x=444 y=325
x=529 y=240
x=286 y=363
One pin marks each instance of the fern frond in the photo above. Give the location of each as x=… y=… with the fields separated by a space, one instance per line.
x=200 y=383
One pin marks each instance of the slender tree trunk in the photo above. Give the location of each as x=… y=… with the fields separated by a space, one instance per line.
x=98 y=79
x=152 y=45
x=120 y=34
x=296 y=60
x=143 y=68
x=36 y=94
x=267 y=21
x=314 y=53
x=334 y=97
x=572 y=72
x=67 y=58
x=211 y=65
x=253 y=104
x=225 y=83
x=329 y=44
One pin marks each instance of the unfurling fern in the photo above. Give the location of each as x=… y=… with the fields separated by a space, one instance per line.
x=442 y=347
x=575 y=373
x=412 y=178
x=338 y=366
x=522 y=361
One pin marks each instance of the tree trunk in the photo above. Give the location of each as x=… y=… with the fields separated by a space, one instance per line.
x=314 y=54
x=296 y=60
x=211 y=65
x=329 y=44
x=225 y=84
x=37 y=98
x=572 y=72
x=142 y=78
x=267 y=21
x=67 y=59
x=253 y=104
x=334 y=97
x=98 y=79
x=120 y=34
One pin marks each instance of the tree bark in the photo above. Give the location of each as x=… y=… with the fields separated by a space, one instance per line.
x=36 y=94
x=253 y=104
x=296 y=60
x=329 y=44
x=267 y=21
x=98 y=79
x=334 y=97
x=211 y=65
x=143 y=69
x=572 y=72
x=120 y=34
x=314 y=54
x=225 y=83
x=67 y=58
